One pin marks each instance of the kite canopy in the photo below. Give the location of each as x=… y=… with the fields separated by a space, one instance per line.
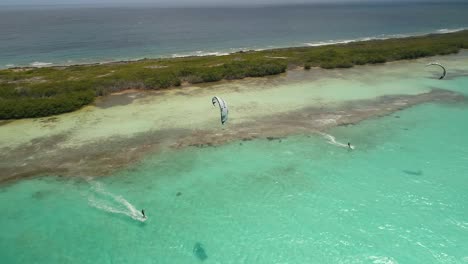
x=222 y=107
x=440 y=65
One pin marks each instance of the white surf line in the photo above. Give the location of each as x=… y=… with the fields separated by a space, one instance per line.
x=332 y=140
x=112 y=203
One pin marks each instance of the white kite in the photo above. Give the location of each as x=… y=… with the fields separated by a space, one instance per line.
x=222 y=107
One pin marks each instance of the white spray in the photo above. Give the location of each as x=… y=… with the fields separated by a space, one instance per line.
x=332 y=140
x=111 y=203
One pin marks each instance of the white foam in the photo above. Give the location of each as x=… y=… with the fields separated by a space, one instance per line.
x=10 y=65
x=382 y=260
x=381 y=37
x=346 y=41
x=448 y=30
x=326 y=121
x=332 y=140
x=40 y=64
x=329 y=42
x=199 y=53
x=111 y=203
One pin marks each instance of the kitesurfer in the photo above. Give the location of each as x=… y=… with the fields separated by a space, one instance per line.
x=349 y=146
x=143 y=213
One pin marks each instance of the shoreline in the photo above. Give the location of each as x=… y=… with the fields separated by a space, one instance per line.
x=193 y=54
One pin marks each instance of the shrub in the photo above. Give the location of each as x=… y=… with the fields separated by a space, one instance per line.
x=37 y=107
x=162 y=81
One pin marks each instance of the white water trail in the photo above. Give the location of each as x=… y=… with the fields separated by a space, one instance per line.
x=332 y=140
x=111 y=203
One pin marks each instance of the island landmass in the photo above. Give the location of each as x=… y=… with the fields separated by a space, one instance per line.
x=38 y=92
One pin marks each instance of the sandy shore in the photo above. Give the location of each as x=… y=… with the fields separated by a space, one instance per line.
x=123 y=128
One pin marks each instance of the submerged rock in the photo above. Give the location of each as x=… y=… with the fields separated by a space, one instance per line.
x=199 y=251
x=416 y=173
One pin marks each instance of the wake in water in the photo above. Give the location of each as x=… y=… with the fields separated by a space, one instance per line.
x=332 y=140
x=111 y=203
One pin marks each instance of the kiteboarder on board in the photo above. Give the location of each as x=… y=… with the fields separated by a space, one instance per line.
x=143 y=213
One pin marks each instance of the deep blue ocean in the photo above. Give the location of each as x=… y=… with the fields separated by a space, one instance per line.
x=72 y=35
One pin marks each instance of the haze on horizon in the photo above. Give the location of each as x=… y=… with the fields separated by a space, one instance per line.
x=179 y=3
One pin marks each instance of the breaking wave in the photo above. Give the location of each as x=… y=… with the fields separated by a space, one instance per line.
x=199 y=53
x=381 y=37
x=40 y=64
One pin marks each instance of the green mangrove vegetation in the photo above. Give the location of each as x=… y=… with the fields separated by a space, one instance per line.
x=38 y=92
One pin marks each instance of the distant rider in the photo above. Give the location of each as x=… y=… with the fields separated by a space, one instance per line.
x=143 y=213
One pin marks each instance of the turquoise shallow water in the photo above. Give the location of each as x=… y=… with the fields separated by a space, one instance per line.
x=399 y=197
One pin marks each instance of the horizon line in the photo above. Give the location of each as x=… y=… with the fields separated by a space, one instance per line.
x=228 y=5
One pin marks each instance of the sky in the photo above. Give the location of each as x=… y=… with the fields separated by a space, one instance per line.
x=183 y=2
